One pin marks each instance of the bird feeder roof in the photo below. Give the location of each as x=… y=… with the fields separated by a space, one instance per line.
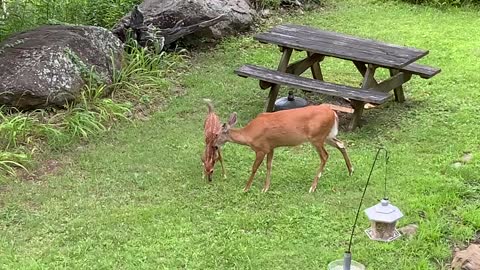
x=384 y=212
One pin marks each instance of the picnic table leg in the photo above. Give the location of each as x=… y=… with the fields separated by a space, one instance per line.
x=399 y=95
x=282 y=66
x=368 y=81
x=316 y=70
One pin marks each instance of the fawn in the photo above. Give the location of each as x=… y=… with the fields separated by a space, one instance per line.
x=314 y=124
x=212 y=127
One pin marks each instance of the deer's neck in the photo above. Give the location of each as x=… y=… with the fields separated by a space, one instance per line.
x=237 y=135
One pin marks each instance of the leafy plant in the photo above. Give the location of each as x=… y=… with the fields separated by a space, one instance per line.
x=144 y=72
x=25 y=14
x=273 y=4
x=10 y=161
x=14 y=129
x=444 y=3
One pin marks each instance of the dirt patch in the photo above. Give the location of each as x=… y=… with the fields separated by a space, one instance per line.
x=46 y=168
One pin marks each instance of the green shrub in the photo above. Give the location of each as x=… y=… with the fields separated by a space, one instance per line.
x=444 y=3
x=25 y=14
x=273 y=4
x=143 y=79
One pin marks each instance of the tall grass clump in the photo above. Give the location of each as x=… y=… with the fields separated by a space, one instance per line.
x=20 y=15
x=445 y=3
x=144 y=79
x=274 y=4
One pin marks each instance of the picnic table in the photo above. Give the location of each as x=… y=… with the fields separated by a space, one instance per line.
x=367 y=55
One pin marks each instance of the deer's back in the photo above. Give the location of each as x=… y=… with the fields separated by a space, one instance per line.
x=293 y=127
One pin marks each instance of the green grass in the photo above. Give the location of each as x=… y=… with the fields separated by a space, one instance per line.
x=139 y=87
x=135 y=198
x=26 y=14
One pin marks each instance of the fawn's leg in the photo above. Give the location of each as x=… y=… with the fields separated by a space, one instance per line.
x=340 y=146
x=323 y=160
x=258 y=160
x=220 y=158
x=269 y=170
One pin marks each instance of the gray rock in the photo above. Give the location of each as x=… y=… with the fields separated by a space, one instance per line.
x=48 y=66
x=165 y=14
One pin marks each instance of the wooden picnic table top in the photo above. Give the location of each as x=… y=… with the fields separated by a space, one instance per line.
x=341 y=46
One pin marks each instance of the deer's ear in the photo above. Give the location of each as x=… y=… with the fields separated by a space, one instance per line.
x=233 y=119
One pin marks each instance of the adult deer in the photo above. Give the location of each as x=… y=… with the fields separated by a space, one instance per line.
x=314 y=124
x=211 y=154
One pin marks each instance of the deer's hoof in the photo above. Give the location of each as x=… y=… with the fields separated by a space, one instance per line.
x=312 y=189
x=264 y=190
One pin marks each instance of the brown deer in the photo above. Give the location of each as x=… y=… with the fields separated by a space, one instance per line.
x=314 y=124
x=212 y=127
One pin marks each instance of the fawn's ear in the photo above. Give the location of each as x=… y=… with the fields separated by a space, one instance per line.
x=224 y=127
x=233 y=119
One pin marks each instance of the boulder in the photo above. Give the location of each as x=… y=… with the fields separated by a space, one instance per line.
x=236 y=17
x=49 y=65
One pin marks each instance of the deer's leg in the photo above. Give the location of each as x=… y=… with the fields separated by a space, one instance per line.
x=269 y=170
x=258 y=160
x=323 y=160
x=220 y=158
x=340 y=146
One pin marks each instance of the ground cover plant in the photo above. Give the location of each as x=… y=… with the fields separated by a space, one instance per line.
x=140 y=86
x=134 y=198
x=20 y=15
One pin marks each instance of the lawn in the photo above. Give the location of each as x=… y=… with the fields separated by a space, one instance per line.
x=135 y=198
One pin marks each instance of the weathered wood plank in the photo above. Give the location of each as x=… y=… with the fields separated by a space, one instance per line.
x=423 y=71
x=397 y=79
x=300 y=66
x=312 y=85
x=398 y=89
x=282 y=67
x=329 y=49
x=297 y=67
x=361 y=67
x=315 y=68
x=339 y=108
x=347 y=40
x=358 y=105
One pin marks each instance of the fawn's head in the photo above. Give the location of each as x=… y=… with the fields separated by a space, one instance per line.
x=209 y=157
x=224 y=135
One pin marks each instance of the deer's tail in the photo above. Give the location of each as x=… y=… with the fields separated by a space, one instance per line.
x=334 y=131
x=209 y=104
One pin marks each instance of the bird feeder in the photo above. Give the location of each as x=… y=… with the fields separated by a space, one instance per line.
x=383 y=218
x=289 y=102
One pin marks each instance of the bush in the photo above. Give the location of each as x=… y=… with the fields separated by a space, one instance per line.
x=138 y=87
x=24 y=14
x=444 y=3
x=273 y=4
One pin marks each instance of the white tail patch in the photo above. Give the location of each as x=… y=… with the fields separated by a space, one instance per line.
x=334 y=131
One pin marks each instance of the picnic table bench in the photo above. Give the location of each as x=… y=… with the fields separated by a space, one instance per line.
x=367 y=55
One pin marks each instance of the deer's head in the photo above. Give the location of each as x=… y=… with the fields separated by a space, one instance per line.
x=224 y=135
x=209 y=157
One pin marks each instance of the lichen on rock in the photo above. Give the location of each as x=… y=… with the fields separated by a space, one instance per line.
x=37 y=70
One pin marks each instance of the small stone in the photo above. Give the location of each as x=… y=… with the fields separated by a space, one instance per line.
x=457 y=164
x=467 y=157
x=265 y=13
x=409 y=230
